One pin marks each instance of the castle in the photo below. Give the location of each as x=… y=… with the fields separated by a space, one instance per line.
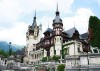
x=56 y=41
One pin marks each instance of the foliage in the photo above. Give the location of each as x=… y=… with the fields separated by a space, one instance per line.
x=94 y=24
x=56 y=58
x=3 y=53
x=48 y=69
x=6 y=54
x=61 y=67
x=44 y=59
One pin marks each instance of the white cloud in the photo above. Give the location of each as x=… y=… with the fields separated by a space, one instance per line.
x=11 y=10
x=16 y=35
x=80 y=20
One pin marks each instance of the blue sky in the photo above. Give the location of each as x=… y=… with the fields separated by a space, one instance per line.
x=16 y=15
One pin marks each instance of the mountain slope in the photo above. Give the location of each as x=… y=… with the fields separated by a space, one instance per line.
x=5 y=46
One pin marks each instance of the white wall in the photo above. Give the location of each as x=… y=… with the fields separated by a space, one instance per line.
x=73 y=48
x=52 y=51
x=84 y=61
x=71 y=63
x=94 y=60
x=58 y=44
x=45 y=53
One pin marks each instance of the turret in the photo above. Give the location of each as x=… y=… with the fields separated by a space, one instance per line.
x=57 y=28
x=57 y=23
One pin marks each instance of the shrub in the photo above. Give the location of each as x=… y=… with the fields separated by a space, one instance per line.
x=61 y=67
x=44 y=59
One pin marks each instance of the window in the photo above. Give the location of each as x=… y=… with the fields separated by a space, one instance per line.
x=57 y=39
x=47 y=42
x=68 y=50
x=33 y=49
x=54 y=51
x=78 y=49
x=65 y=51
x=31 y=62
x=61 y=52
x=35 y=33
x=95 y=50
x=60 y=29
x=60 y=40
x=33 y=45
x=35 y=56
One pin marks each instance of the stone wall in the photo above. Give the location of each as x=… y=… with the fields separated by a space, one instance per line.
x=84 y=62
x=83 y=69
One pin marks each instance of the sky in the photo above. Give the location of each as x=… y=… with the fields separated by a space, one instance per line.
x=17 y=15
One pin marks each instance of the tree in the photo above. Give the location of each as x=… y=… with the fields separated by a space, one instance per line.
x=3 y=53
x=61 y=67
x=94 y=31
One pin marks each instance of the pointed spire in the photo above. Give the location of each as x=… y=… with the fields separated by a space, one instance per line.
x=57 y=11
x=48 y=24
x=57 y=17
x=34 y=20
x=57 y=7
x=74 y=24
x=35 y=15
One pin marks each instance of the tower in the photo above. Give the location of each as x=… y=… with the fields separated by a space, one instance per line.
x=58 y=28
x=40 y=32
x=33 y=36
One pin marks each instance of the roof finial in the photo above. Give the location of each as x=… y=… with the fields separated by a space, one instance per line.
x=74 y=24
x=35 y=14
x=57 y=6
x=48 y=24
